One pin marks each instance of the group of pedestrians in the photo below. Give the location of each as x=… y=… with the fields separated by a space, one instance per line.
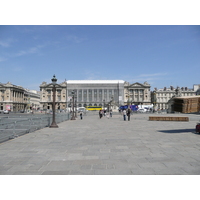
x=127 y=113
x=104 y=113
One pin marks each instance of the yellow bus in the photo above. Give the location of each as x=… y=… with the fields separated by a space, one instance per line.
x=93 y=108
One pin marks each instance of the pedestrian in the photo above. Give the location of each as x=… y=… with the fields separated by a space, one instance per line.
x=129 y=114
x=81 y=115
x=105 y=112
x=124 y=114
x=100 y=114
x=111 y=113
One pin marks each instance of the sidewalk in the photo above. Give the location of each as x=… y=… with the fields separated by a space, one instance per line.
x=111 y=146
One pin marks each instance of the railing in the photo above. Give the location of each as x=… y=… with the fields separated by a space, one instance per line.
x=12 y=127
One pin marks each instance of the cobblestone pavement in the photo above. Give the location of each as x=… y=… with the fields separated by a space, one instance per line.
x=105 y=146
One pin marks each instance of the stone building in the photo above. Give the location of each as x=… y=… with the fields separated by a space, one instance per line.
x=33 y=100
x=46 y=96
x=164 y=95
x=12 y=97
x=137 y=93
x=96 y=92
x=16 y=98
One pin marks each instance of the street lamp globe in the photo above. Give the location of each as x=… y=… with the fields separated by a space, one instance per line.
x=54 y=79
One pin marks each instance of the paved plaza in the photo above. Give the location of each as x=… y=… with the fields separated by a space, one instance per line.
x=94 y=146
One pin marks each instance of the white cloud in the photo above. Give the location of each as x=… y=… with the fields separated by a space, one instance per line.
x=152 y=75
x=6 y=42
x=31 y=50
x=75 y=39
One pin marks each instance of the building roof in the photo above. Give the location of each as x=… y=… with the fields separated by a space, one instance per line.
x=187 y=97
x=94 y=81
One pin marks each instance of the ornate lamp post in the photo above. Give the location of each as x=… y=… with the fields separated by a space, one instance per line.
x=54 y=80
x=73 y=117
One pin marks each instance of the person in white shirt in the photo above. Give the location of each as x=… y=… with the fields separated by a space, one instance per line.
x=124 y=114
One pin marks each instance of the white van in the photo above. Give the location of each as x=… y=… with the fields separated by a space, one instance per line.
x=81 y=109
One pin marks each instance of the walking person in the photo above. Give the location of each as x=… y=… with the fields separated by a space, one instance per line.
x=100 y=114
x=105 y=112
x=111 y=113
x=124 y=114
x=129 y=114
x=81 y=115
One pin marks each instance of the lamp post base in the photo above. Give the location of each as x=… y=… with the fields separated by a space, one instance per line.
x=53 y=125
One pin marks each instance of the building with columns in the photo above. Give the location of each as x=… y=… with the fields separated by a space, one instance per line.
x=15 y=98
x=137 y=93
x=46 y=96
x=12 y=97
x=96 y=92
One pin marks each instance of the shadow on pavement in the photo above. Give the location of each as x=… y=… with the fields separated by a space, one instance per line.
x=179 y=131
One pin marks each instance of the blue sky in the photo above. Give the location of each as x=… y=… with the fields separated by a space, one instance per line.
x=160 y=55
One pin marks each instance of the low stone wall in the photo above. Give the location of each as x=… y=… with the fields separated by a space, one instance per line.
x=156 y=118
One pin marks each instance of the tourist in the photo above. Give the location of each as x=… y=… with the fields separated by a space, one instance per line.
x=129 y=114
x=111 y=113
x=124 y=114
x=81 y=115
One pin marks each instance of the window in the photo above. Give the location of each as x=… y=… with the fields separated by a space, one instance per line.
x=59 y=98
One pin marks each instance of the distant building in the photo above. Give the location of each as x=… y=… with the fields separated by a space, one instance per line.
x=197 y=89
x=96 y=92
x=164 y=95
x=46 y=96
x=16 y=98
x=33 y=100
x=137 y=93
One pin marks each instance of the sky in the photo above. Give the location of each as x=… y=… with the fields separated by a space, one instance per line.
x=161 y=55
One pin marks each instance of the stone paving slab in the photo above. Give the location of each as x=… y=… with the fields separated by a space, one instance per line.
x=94 y=146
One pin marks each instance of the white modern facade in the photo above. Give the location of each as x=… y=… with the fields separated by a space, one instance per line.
x=95 y=92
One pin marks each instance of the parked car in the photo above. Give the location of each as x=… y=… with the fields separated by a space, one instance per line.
x=5 y=112
x=141 y=110
x=21 y=111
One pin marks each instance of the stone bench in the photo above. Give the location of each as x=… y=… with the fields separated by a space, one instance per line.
x=152 y=118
